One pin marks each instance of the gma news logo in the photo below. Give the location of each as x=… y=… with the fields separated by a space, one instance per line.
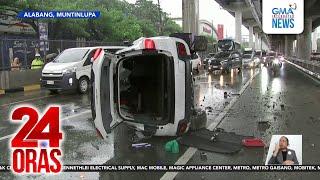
x=283 y=16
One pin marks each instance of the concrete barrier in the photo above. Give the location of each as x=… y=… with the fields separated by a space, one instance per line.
x=17 y=80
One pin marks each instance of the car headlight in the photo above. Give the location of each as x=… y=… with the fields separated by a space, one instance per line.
x=68 y=71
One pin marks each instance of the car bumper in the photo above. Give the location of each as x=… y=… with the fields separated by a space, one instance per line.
x=215 y=67
x=65 y=82
x=248 y=64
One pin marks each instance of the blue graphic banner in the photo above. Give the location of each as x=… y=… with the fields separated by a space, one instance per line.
x=59 y=14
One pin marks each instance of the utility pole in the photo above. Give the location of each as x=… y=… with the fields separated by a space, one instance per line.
x=160 y=18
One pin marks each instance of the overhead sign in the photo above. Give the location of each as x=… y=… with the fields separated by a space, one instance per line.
x=283 y=17
x=43 y=36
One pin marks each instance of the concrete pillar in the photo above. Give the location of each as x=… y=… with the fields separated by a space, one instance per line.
x=314 y=40
x=190 y=16
x=256 y=39
x=288 y=40
x=304 y=40
x=238 y=24
x=259 y=41
x=281 y=46
x=251 y=45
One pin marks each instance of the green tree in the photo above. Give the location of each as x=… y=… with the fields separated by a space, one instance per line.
x=119 y=20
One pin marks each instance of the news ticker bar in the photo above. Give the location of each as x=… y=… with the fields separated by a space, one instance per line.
x=183 y=168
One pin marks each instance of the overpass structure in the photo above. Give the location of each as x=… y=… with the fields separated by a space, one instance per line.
x=249 y=14
x=246 y=12
x=299 y=45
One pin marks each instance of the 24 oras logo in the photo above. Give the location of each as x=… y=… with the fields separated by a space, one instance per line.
x=36 y=146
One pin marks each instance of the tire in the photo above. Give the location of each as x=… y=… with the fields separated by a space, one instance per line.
x=228 y=70
x=198 y=69
x=83 y=85
x=53 y=91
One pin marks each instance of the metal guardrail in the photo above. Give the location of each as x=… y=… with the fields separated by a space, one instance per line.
x=313 y=66
x=25 y=50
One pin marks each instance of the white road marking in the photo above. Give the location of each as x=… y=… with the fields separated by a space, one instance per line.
x=63 y=119
x=191 y=150
x=26 y=100
x=181 y=161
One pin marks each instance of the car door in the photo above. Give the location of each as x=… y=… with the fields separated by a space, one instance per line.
x=102 y=98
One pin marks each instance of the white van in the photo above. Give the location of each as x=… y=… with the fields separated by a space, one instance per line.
x=147 y=85
x=71 y=69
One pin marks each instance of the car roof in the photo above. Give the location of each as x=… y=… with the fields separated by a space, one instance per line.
x=103 y=47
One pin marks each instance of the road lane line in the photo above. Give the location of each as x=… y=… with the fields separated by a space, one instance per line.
x=63 y=119
x=25 y=100
x=231 y=103
x=181 y=161
x=191 y=150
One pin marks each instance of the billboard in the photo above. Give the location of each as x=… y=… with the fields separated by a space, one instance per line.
x=220 y=31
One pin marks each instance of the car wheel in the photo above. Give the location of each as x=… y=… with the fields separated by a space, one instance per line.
x=83 y=85
x=53 y=91
x=198 y=69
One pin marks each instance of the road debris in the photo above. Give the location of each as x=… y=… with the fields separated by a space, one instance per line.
x=172 y=146
x=225 y=95
x=203 y=156
x=141 y=145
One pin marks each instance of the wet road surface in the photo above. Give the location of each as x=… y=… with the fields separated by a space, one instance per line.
x=287 y=104
x=298 y=93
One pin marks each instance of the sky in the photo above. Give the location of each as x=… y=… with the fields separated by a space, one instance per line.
x=209 y=10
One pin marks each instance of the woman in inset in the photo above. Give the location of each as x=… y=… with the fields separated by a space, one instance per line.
x=283 y=155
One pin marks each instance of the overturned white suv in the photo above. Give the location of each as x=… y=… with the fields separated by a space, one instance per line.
x=147 y=85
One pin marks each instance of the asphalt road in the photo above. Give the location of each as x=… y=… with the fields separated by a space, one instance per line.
x=297 y=92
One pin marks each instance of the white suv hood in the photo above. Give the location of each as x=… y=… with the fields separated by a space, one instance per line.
x=57 y=67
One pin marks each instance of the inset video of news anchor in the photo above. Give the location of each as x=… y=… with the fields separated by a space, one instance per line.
x=159 y=89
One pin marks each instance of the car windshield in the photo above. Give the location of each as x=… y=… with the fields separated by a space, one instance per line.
x=210 y=55
x=247 y=52
x=225 y=44
x=71 y=55
x=246 y=56
x=222 y=55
